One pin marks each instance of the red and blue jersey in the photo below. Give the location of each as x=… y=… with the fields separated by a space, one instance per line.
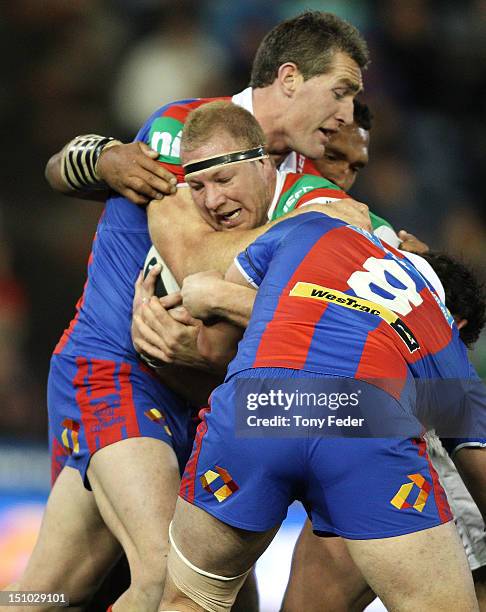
x=334 y=300
x=101 y=327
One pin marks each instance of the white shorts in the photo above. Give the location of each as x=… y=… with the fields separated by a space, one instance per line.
x=467 y=517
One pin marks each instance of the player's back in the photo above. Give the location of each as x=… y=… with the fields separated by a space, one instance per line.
x=333 y=299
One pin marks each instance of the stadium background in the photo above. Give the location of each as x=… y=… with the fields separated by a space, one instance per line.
x=104 y=65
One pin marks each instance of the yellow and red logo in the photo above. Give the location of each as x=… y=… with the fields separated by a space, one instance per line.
x=158 y=417
x=224 y=491
x=71 y=427
x=400 y=499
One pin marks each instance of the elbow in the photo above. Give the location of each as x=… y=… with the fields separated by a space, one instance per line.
x=52 y=174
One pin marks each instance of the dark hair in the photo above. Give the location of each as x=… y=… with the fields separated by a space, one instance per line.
x=309 y=41
x=362 y=115
x=465 y=294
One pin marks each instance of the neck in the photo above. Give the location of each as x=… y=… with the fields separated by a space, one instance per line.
x=271 y=186
x=270 y=114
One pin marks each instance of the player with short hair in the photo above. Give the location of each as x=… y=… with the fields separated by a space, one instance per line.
x=304 y=317
x=106 y=410
x=322 y=572
x=206 y=199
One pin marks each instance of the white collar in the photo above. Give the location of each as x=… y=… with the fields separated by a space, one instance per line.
x=244 y=99
x=281 y=176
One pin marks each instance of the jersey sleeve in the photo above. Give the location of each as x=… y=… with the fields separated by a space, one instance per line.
x=299 y=190
x=253 y=262
x=163 y=130
x=384 y=230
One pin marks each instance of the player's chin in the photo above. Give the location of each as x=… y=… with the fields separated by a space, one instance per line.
x=313 y=149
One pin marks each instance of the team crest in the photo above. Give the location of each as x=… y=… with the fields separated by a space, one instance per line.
x=400 y=500
x=224 y=491
x=70 y=436
x=158 y=417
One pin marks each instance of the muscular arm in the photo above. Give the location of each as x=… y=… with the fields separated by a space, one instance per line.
x=188 y=244
x=129 y=169
x=218 y=343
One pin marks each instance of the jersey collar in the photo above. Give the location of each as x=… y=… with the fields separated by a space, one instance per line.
x=281 y=176
x=244 y=99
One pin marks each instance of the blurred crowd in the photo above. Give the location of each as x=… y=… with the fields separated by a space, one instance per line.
x=104 y=66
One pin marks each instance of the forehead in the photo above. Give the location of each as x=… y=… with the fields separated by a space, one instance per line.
x=217 y=144
x=344 y=70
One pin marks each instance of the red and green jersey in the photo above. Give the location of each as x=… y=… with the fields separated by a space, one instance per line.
x=302 y=183
x=296 y=190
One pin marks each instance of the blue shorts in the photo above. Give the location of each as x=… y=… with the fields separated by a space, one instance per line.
x=355 y=487
x=93 y=403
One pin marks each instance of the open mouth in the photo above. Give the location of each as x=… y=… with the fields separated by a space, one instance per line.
x=230 y=217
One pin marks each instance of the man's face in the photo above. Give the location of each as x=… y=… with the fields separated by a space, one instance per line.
x=346 y=154
x=321 y=105
x=231 y=196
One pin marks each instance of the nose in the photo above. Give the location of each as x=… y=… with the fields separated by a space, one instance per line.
x=214 y=197
x=345 y=114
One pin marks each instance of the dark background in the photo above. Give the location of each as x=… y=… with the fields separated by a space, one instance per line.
x=80 y=66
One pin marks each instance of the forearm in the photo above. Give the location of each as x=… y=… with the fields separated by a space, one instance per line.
x=53 y=175
x=175 y=221
x=234 y=304
x=187 y=243
x=93 y=187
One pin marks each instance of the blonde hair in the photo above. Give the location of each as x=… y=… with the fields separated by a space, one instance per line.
x=221 y=116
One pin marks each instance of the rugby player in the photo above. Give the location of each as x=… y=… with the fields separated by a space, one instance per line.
x=116 y=431
x=323 y=574
x=237 y=488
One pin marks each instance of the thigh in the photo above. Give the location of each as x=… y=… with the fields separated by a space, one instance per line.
x=75 y=549
x=212 y=545
x=425 y=570
x=209 y=560
x=471 y=465
x=323 y=576
x=135 y=483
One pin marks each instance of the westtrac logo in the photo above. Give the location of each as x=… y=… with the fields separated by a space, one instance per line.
x=333 y=296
